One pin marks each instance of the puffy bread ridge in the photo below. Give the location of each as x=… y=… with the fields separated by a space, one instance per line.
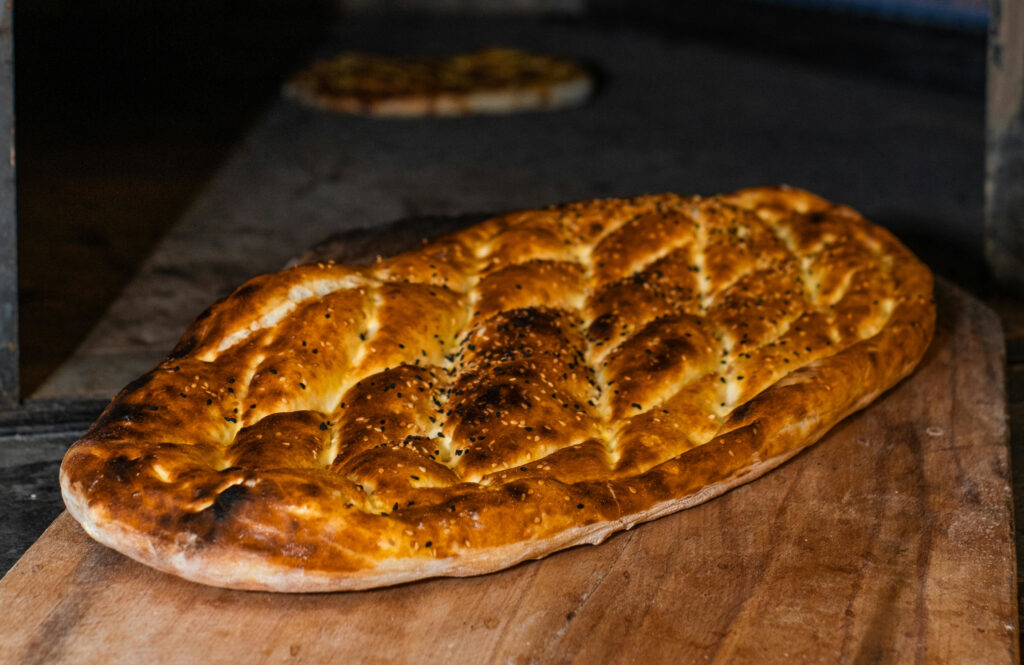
x=538 y=381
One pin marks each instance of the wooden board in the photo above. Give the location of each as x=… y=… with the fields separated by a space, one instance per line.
x=891 y=540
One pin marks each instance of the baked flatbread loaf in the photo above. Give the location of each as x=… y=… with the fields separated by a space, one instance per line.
x=537 y=381
x=491 y=81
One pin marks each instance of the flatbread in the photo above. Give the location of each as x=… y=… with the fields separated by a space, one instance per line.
x=537 y=381
x=490 y=81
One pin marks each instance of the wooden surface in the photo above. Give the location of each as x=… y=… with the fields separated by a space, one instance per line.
x=889 y=541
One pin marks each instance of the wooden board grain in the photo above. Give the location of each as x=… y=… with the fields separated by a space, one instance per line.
x=890 y=541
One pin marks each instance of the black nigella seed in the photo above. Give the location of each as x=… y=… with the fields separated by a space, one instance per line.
x=302 y=385
x=580 y=506
x=429 y=543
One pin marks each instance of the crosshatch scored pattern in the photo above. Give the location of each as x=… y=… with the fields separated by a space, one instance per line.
x=534 y=382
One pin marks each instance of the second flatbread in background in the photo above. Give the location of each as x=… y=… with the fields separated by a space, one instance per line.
x=490 y=81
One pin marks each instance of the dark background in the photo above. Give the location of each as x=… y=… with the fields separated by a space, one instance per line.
x=125 y=109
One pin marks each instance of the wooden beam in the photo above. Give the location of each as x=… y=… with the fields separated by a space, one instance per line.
x=1004 y=163
x=8 y=218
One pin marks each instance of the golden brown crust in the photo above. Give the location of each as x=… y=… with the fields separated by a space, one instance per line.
x=534 y=382
x=490 y=81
